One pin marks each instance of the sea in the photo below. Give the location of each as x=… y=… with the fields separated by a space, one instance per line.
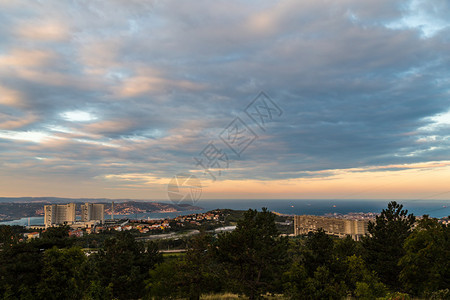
x=318 y=207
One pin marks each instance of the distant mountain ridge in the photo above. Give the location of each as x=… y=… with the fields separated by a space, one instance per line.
x=57 y=200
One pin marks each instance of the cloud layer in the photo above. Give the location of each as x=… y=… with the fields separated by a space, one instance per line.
x=115 y=94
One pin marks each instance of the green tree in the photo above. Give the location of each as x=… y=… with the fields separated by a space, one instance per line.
x=165 y=281
x=346 y=247
x=317 y=251
x=426 y=264
x=198 y=269
x=96 y=291
x=61 y=276
x=295 y=280
x=124 y=265
x=56 y=233
x=324 y=285
x=329 y=268
x=194 y=274
x=56 y=236
x=8 y=235
x=21 y=263
x=252 y=256
x=20 y=270
x=362 y=282
x=384 y=246
x=316 y=271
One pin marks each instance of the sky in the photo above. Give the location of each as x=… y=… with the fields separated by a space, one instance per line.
x=284 y=99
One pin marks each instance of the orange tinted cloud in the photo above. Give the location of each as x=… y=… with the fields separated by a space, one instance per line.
x=10 y=97
x=43 y=30
x=13 y=122
x=27 y=58
x=139 y=85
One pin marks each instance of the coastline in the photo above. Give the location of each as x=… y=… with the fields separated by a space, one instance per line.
x=318 y=207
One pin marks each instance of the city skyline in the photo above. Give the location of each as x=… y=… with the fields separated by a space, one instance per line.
x=114 y=98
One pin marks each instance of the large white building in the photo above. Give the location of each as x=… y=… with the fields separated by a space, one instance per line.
x=92 y=212
x=59 y=214
x=333 y=226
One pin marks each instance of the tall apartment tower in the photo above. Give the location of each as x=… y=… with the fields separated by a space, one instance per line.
x=92 y=212
x=58 y=214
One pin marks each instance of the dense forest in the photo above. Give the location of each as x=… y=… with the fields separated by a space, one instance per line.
x=402 y=258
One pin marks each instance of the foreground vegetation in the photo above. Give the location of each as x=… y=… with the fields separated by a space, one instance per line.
x=396 y=261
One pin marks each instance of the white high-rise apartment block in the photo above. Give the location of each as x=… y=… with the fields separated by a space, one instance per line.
x=92 y=212
x=59 y=214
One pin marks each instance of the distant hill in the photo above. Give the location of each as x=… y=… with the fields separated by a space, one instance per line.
x=15 y=208
x=57 y=200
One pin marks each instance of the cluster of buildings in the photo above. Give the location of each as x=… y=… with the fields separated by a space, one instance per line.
x=341 y=227
x=197 y=219
x=65 y=214
x=93 y=219
x=353 y=216
x=145 y=226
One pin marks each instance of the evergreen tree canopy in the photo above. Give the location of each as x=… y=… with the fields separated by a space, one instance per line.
x=384 y=246
x=252 y=254
x=426 y=263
